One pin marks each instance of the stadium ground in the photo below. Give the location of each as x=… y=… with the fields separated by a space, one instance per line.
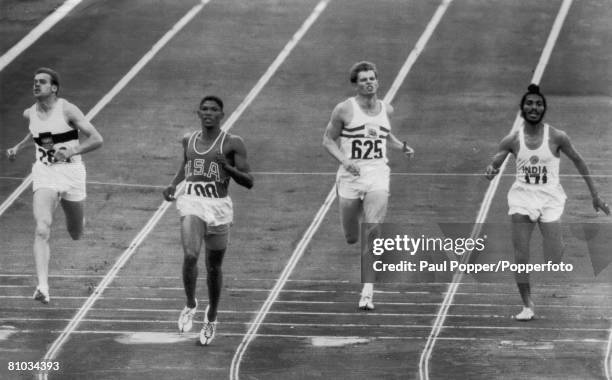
x=456 y=103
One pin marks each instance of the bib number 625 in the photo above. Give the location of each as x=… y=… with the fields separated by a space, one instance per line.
x=366 y=149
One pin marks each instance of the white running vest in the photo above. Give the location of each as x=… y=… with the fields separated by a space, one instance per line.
x=364 y=139
x=537 y=166
x=52 y=134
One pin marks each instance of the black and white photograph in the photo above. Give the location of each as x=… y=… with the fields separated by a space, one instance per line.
x=306 y=189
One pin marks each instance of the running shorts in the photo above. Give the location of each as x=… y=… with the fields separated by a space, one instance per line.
x=68 y=179
x=217 y=213
x=540 y=203
x=371 y=178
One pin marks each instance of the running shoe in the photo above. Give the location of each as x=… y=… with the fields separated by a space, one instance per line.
x=207 y=334
x=39 y=295
x=526 y=314
x=185 y=321
x=365 y=302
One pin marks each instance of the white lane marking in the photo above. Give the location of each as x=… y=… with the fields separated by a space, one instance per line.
x=6 y=331
x=145 y=337
x=312 y=281
x=333 y=325
x=160 y=299
x=358 y=314
x=296 y=336
x=313 y=227
x=336 y=341
x=37 y=32
x=488 y=198
x=326 y=174
x=608 y=358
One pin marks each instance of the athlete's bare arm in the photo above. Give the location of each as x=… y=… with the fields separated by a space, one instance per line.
x=340 y=114
x=234 y=148
x=93 y=140
x=565 y=145
x=169 y=191
x=27 y=141
x=506 y=146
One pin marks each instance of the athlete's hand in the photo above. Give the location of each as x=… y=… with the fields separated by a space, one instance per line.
x=491 y=172
x=169 y=193
x=351 y=167
x=408 y=151
x=63 y=154
x=600 y=204
x=11 y=154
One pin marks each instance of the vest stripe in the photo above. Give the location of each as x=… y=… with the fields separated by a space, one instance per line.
x=59 y=137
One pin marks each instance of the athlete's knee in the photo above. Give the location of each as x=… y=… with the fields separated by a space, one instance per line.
x=521 y=249
x=43 y=230
x=190 y=258
x=75 y=232
x=521 y=258
x=214 y=270
x=351 y=232
x=351 y=238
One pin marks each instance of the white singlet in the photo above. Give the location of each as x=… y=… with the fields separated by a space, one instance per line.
x=364 y=142
x=52 y=134
x=537 y=191
x=364 y=139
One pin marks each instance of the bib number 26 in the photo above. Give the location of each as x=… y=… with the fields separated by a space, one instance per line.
x=48 y=156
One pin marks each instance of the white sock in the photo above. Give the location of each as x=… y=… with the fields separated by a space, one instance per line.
x=368 y=288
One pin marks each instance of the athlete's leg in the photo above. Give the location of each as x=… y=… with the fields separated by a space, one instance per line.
x=74 y=217
x=552 y=241
x=215 y=251
x=44 y=203
x=192 y=232
x=522 y=228
x=375 y=206
x=350 y=215
x=374 y=212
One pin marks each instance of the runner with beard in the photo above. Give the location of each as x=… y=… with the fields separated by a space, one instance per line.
x=536 y=197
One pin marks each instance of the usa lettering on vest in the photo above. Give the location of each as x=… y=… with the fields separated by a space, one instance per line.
x=197 y=167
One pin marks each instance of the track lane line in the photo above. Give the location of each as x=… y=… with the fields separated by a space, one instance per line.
x=608 y=358
x=127 y=254
x=312 y=324
x=314 y=226
x=190 y=336
x=37 y=32
x=488 y=199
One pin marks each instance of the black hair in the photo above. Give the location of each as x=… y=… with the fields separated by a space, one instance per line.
x=533 y=89
x=213 y=98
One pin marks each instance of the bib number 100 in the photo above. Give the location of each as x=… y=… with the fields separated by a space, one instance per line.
x=366 y=149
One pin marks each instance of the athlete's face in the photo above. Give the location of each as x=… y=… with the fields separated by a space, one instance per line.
x=210 y=114
x=42 y=85
x=367 y=83
x=533 y=108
